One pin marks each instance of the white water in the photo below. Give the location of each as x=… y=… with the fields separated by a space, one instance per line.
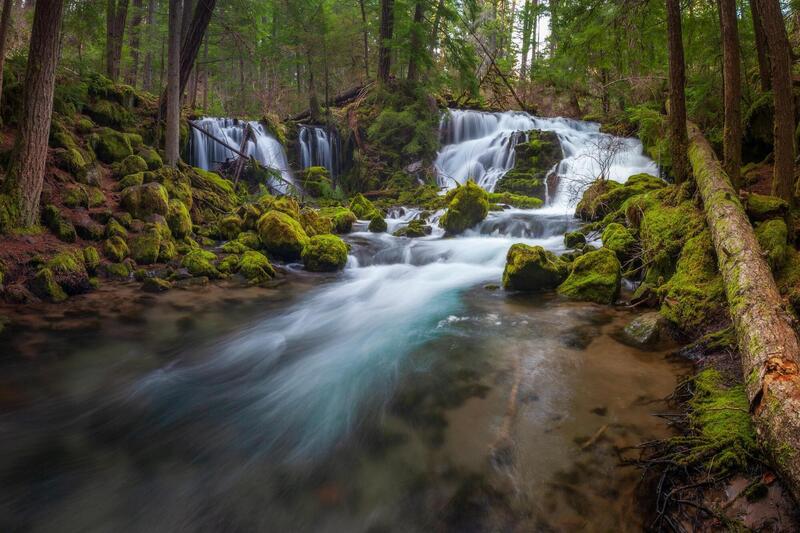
x=481 y=146
x=295 y=385
x=320 y=147
x=208 y=154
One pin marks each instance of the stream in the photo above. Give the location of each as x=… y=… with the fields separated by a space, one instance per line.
x=406 y=393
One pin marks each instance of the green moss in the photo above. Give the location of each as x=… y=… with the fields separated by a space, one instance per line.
x=414 y=229
x=534 y=158
x=155 y=285
x=250 y=214
x=316 y=182
x=282 y=235
x=91 y=259
x=325 y=253
x=760 y=207
x=229 y=227
x=167 y=251
x=57 y=224
x=115 y=248
x=619 y=240
x=313 y=223
x=532 y=268
x=108 y=113
x=695 y=295
x=180 y=223
x=284 y=204
x=234 y=247
x=131 y=165
x=75 y=197
x=144 y=248
x=663 y=231
x=595 y=277
x=96 y=196
x=199 y=263
x=115 y=229
x=255 y=267
x=515 y=200
x=773 y=235
x=131 y=180
x=341 y=217
x=117 y=270
x=84 y=126
x=249 y=239
x=144 y=200
x=45 y=286
x=150 y=156
x=574 y=239
x=229 y=263
x=468 y=205
x=112 y=146
x=210 y=194
x=377 y=224
x=605 y=197
x=362 y=208
x=70 y=160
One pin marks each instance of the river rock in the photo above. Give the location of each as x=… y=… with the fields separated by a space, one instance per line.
x=468 y=205
x=595 y=277
x=645 y=330
x=532 y=268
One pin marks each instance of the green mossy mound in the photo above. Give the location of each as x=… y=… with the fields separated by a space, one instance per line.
x=69 y=271
x=156 y=285
x=325 y=253
x=255 y=267
x=234 y=247
x=341 y=217
x=788 y=278
x=760 y=207
x=115 y=248
x=210 y=195
x=606 y=196
x=200 y=263
x=695 y=295
x=773 y=235
x=249 y=239
x=534 y=159
x=282 y=235
x=377 y=224
x=619 y=240
x=229 y=227
x=532 y=268
x=45 y=286
x=115 y=229
x=131 y=180
x=313 y=223
x=663 y=230
x=595 y=277
x=130 y=165
x=119 y=271
x=284 y=204
x=574 y=239
x=178 y=219
x=112 y=146
x=70 y=160
x=515 y=200
x=468 y=205
x=150 y=157
x=108 y=113
x=316 y=182
x=91 y=259
x=362 y=208
x=58 y=225
x=142 y=201
x=414 y=229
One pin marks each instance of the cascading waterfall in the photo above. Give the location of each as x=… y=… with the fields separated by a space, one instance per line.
x=208 y=154
x=320 y=147
x=481 y=145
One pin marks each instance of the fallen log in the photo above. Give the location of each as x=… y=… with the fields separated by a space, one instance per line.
x=768 y=342
x=337 y=101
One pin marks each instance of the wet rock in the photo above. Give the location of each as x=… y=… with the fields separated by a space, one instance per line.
x=377 y=224
x=532 y=268
x=282 y=235
x=645 y=330
x=341 y=218
x=415 y=228
x=574 y=239
x=467 y=206
x=325 y=253
x=199 y=263
x=156 y=285
x=189 y=283
x=595 y=277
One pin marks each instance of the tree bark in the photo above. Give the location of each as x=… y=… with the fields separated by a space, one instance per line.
x=416 y=48
x=5 y=22
x=116 y=14
x=761 y=47
x=768 y=344
x=26 y=172
x=527 y=27
x=190 y=46
x=678 y=138
x=385 y=35
x=147 y=74
x=173 y=100
x=732 y=83
x=135 y=32
x=780 y=62
x=365 y=31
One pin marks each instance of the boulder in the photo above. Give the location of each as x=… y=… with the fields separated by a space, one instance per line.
x=595 y=277
x=112 y=146
x=199 y=263
x=362 y=208
x=415 y=228
x=115 y=248
x=142 y=201
x=377 y=224
x=282 y=235
x=773 y=236
x=341 y=217
x=619 y=240
x=325 y=253
x=532 y=268
x=313 y=223
x=468 y=205
x=255 y=267
x=574 y=239
x=645 y=330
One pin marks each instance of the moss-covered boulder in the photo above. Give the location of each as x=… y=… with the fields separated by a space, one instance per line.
x=115 y=248
x=115 y=229
x=250 y=213
x=284 y=204
x=325 y=253
x=362 y=208
x=91 y=259
x=695 y=295
x=377 y=224
x=145 y=247
x=414 y=229
x=156 y=285
x=663 y=231
x=210 y=193
x=69 y=271
x=313 y=223
x=70 y=160
x=282 y=235
x=255 y=267
x=467 y=206
x=249 y=239
x=108 y=113
x=58 y=224
x=595 y=277
x=619 y=240
x=150 y=156
x=760 y=207
x=515 y=200
x=773 y=235
x=178 y=219
x=536 y=153
x=603 y=197
x=574 y=239
x=532 y=268
x=199 y=262
x=229 y=227
x=131 y=180
x=130 y=165
x=45 y=286
x=341 y=217
x=112 y=146
x=119 y=271
x=145 y=200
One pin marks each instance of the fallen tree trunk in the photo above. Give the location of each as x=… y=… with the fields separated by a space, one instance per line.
x=339 y=100
x=768 y=342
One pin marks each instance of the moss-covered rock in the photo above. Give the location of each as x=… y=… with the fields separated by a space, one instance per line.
x=773 y=236
x=695 y=295
x=57 y=224
x=120 y=271
x=515 y=200
x=112 y=146
x=145 y=247
x=468 y=205
x=377 y=224
x=70 y=160
x=362 y=208
x=131 y=180
x=313 y=223
x=255 y=267
x=325 y=253
x=75 y=196
x=574 y=239
x=229 y=227
x=532 y=268
x=145 y=200
x=115 y=229
x=535 y=156
x=595 y=277
x=663 y=231
x=250 y=213
x=316 y=182
x=235 y=247
x=115 y=248
x=200 y=263
x=605 y=196
x=414 y=229
x=210 y=194
x=619 y=240
x=84 y=126
x=249 y=239
x=760 y=207
x=130 y=165
x=108 y=113
x=156 y=285
x=341 y=217
x=178 y=219
x=282 y=235
x=167 y=251
x=645 y=330
x=91 y=259
x=69 y=271
x=45 y=286
x=150 y=156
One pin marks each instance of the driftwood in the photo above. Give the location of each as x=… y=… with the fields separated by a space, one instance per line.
x=339 y=100
x=768 y=343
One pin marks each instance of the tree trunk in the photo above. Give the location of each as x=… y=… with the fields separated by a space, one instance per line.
x=437 y=21
x=781 y=71
x=173 y=101
x=678 y=138
x=205 y=74
x=190 y=46
x=5 y=22
x=385 y=35
x=147 y=75
x=416 y=48
x=527 y=27
x=186 y=18
x=732 y=133
x=365 y=31
x=768 y=345
x=26 y=173
x=135 y=31
x=761 y=46
x=116 y=14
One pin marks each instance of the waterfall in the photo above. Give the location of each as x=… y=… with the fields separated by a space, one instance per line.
x=481 y=146
x=208 y=154
x=320 y=147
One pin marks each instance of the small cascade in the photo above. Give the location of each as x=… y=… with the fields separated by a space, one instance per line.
x=320 y=147
x=208 y=154
x=481 y=146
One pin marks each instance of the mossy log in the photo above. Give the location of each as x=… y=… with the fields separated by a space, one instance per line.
x=768 y=342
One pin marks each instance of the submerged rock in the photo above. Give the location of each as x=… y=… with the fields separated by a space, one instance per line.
x=325 y=253
x=532 y=268
x=645 y=330
x=595 y=277
x=468 y=205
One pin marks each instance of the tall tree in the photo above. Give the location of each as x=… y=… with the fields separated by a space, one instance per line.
x=116 y=14
x=5 y=22
x=781 y=74
x=365 y=31
x=732 y=133
x=173 y=100
x=190 y=45
x=416 y=49
x=147 y=74
x=384 y=38
x=678 y=137
x=135 y=38
x=25 y=175
x=527 y=28
x=761 y=46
